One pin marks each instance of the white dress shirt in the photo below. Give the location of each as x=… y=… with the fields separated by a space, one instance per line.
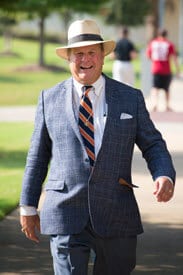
x=99 y=106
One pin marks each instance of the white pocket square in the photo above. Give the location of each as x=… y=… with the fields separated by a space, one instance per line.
x=125 y=116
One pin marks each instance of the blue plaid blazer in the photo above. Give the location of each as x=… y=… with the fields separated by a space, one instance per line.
x=72 y=193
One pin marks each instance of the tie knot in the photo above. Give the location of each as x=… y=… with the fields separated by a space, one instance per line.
x=86 y=89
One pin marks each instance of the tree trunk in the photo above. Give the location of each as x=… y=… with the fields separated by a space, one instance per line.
x=66 y=16
x=155 y=16
x=41 y=41
x=7 y=40
x=152 y=21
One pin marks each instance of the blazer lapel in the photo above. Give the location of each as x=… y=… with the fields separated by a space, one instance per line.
x=70 y=109
x=109 y=92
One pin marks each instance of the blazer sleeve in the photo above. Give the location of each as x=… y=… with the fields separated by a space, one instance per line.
x=152 y=145
x=37 y=159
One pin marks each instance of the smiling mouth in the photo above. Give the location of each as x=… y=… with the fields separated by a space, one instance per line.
x=86 y=68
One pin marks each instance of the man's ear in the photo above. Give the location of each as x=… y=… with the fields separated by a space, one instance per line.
x=103 y=59
x=68 y=54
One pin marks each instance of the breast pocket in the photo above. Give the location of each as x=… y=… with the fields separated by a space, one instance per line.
x=56 y=185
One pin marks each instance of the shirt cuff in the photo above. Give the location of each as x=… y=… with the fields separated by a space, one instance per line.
x=26 y=210
x=167 y=178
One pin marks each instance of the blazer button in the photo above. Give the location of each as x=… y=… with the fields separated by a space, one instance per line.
x=87 y=160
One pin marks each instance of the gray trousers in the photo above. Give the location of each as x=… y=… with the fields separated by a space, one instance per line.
x=113 y=256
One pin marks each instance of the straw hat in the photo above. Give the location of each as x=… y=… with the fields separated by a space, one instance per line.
x=84 y=33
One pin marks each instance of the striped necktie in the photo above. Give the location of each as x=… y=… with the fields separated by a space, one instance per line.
x=86 y=124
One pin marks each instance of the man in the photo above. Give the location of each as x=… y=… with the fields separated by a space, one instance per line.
x=161 y=51
x=87 y=135
x=123 y=54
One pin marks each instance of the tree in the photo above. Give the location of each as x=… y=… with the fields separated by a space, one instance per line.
x=128 y=12
x=7 y=20
x=133 y=13
x=6 y=23
x=42 y=8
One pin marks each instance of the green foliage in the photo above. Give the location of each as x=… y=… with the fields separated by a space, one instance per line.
x=44 y=7
x=14 y=142
x=10 y=5
x=128 y=12
x=7 y=21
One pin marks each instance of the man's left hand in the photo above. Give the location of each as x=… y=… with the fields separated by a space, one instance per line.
x=29 y=226
x=164 y=189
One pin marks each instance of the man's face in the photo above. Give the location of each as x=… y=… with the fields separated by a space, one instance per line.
x=86 y=63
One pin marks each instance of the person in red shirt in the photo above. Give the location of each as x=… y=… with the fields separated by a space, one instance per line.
x=160 y=50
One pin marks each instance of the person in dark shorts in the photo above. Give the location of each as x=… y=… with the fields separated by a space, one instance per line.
x=162 y=81
x=160 y=50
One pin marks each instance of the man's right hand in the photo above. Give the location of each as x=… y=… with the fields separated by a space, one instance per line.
x=29 y=226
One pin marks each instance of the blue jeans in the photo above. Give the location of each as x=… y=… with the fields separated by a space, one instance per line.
x=113 y=256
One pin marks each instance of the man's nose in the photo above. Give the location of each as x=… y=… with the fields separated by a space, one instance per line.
x=85 y=57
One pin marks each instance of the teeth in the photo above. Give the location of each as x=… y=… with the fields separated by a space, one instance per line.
x=83 y=68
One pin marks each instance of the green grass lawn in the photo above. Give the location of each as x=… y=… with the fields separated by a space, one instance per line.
x=20 y=84
x=14 y=142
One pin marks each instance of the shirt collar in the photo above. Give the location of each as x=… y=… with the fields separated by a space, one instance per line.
x=98 y=85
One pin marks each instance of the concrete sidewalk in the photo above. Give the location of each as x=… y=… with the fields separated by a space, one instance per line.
x=160 y=248
x=27 y=113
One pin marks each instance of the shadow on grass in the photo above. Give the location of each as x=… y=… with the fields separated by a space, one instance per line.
x=38 y=68
x=12 y=79
x=12 y=159
x=6 y=207
x=10 y=54
x=160 y=250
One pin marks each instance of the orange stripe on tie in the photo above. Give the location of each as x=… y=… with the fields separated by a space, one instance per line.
x=90 y=153
x=86 y=136
x=86 y=107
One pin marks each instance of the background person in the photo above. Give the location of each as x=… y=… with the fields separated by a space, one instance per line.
x=124 y=53
x=87 y=137
x=161 y=51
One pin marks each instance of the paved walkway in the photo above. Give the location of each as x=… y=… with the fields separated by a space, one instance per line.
x=160 y=249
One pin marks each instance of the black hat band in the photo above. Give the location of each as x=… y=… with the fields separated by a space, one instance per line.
x=85 y=37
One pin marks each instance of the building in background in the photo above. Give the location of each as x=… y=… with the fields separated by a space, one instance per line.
x=172 y=19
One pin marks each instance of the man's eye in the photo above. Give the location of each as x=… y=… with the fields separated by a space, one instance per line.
x=79 y=54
